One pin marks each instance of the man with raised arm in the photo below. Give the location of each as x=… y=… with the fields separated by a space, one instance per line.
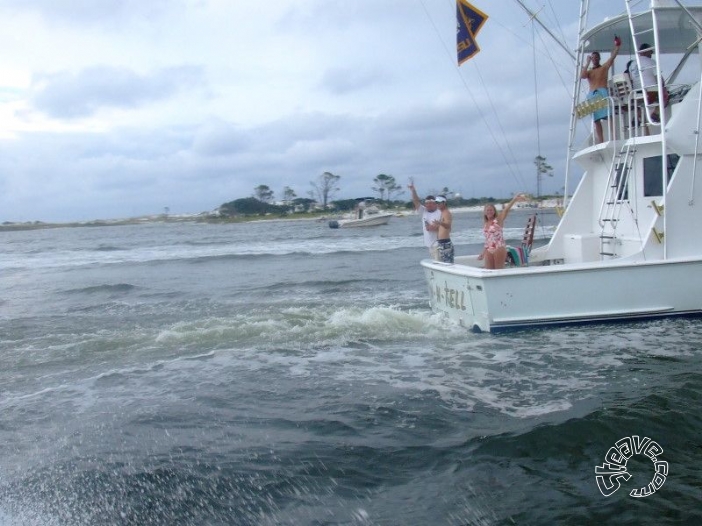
x=597 y=78
x=430 y=219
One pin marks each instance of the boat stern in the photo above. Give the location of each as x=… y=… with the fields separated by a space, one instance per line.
x=459 y=297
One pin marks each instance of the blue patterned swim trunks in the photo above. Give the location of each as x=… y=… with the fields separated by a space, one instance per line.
x=599 y=93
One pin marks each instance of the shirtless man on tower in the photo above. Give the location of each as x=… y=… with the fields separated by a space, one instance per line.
x=597 y=77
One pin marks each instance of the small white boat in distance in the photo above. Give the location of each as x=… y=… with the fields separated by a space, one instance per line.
x=364 y=215
x=629 y=245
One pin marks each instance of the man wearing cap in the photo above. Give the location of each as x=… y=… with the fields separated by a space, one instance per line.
x=646 y=77
x=597 y=77
x=444 y=234
x=430 y=219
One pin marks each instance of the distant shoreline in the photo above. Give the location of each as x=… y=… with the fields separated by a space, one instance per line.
x=39 y=225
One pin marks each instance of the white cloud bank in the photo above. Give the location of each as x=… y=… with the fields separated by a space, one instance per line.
x=118 y=108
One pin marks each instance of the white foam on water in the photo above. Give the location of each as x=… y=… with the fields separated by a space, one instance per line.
x=177 y=248
x=26 y=515
x=464 y=369
x=72 y=257
x=304 y=326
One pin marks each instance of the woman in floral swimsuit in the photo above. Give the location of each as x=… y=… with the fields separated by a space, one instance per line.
x=495 y=251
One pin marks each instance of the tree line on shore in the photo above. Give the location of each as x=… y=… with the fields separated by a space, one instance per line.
x=321 y=198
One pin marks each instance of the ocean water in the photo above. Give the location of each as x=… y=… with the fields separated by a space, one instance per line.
x=281 y=372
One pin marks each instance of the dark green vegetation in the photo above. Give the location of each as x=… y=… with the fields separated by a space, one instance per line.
x=320 y=202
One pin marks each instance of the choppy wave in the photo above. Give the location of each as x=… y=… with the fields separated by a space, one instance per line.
x=320 y=468
x=312 y=387
x=179 y=248
x=108 y=288
x=109 y=248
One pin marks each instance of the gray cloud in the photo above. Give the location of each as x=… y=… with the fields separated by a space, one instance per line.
x=342 y=81
x=196 y=168
x=355 y=88
x=70 y=95
x=219 y=138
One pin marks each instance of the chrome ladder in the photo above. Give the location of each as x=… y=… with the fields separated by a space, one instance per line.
x=615 y=197
x=653 y=31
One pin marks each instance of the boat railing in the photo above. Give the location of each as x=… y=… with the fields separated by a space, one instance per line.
x=626 y=108
x=629 y=110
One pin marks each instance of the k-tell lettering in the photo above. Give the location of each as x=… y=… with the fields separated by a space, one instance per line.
x=452 y=298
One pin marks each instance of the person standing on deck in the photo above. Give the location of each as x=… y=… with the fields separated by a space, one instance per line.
x=444 y=234
x=430 y=219
x=650 y=81
x=597 y=77
x=495 y=251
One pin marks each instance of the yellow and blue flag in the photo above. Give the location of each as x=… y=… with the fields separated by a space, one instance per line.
x=470 y=21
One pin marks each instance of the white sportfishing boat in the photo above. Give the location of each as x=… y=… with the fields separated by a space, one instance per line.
x=629 y=245
x=363 y=216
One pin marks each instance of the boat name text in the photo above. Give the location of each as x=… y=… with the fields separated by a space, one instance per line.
x=452 y=298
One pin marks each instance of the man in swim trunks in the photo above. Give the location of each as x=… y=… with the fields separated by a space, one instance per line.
x=597 y=79
x=444 y=234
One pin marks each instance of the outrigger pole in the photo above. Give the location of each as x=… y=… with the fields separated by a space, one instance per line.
x=584 y=9
x=534 y=16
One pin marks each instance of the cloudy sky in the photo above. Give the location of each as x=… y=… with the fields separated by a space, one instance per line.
x=121 y=108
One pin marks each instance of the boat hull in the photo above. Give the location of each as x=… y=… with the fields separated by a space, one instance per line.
x=493 y=301
x=627 y=246
x=374 y=220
